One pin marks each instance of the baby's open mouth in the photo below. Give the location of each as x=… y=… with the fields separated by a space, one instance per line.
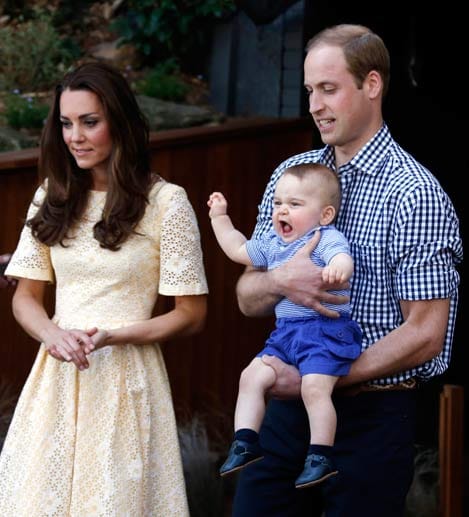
x=286 y=228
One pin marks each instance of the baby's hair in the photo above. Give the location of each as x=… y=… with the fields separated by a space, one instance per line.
x=329 y=180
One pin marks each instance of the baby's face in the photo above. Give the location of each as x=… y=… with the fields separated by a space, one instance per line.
x=297 y=207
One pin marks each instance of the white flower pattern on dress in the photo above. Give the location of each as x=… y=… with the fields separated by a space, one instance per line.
x=103 y=442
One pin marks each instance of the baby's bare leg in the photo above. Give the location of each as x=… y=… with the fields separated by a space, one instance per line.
x=316 y=391
x=255 y=380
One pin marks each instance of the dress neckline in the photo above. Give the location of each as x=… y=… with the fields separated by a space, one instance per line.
x=98 y=192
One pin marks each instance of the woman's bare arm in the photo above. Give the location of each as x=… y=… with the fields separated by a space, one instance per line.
x=62 y=344
x=186 y=318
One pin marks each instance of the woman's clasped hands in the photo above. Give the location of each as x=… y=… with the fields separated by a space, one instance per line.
x=74 y=345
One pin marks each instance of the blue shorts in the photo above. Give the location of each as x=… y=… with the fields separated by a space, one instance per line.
x=316 y=344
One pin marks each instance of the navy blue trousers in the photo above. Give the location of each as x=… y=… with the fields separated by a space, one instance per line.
x=373 y=450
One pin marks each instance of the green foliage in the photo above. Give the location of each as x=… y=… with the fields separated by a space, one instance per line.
x=163 y=82
x=15 y=8
x=170 y=28
x=33 y=57
x=24 y=112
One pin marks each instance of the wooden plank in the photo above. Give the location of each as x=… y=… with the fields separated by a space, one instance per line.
x=451 y=450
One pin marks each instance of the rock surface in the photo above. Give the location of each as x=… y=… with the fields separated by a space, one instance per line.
x=160 y=114
x=169 y=115
x=12 y=140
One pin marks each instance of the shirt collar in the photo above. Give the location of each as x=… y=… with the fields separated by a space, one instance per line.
x=369 y=158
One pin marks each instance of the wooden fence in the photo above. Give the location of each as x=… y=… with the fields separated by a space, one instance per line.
x=236 y=158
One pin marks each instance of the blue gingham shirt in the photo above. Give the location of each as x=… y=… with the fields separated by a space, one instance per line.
x=270 y=251
x=404 y=238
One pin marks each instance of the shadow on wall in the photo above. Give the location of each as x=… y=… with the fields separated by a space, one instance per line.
x=422 y=499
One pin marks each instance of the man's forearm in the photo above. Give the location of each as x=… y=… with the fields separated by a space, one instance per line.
x=417 y=340
x=256 y=293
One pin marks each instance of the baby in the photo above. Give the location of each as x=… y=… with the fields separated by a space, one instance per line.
x=306 y=200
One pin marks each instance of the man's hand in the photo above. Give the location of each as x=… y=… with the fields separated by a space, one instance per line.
x=301 y=281
x=288 y=381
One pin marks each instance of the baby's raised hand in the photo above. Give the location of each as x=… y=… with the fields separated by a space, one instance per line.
x=217 y=204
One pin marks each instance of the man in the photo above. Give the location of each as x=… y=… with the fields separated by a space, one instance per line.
x=404 y=237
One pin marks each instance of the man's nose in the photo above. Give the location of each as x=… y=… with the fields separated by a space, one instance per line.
x=315 y=103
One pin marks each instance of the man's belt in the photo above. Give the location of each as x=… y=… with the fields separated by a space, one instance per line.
x=408 y=384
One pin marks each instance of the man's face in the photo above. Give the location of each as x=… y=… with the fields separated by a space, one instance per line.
x=342 y=111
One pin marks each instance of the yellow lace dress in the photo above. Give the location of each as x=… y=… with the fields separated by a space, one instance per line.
x=103 y=442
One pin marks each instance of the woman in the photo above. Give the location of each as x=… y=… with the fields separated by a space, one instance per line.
x=94 y=431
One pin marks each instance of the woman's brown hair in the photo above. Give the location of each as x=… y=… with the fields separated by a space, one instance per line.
x=68 y=187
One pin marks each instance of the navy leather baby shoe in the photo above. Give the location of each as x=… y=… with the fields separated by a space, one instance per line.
x=241 y=453
x=317 y=469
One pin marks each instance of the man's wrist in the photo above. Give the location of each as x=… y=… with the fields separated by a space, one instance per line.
x=274 y=281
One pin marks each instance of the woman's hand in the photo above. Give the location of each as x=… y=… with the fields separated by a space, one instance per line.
x=5 y=281
x=98 y=340
x=69 y=346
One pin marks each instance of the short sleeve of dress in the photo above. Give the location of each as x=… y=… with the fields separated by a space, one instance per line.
x=31 y=259
x=181 y=261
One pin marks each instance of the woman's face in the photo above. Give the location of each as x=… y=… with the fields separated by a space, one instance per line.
x=85 y=131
